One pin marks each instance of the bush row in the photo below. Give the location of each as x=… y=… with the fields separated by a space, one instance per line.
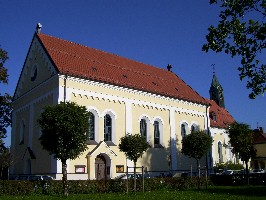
x=15 y=187
x=239 y=179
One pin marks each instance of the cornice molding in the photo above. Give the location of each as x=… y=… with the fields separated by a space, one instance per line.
x=96 y=95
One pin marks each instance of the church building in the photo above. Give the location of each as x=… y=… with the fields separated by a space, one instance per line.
x=122 y=96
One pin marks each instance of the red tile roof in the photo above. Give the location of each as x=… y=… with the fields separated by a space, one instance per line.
x=88 y=63
x=223 y=117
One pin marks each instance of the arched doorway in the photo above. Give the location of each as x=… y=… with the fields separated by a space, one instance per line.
x=100 y=167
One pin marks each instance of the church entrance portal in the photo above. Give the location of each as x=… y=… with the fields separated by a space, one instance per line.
x=100 y=167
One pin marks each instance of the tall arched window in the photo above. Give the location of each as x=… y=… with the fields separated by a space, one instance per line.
x=184 y=129
x=22 y=132
x=220 y=152
x=107 y=128
x=91 y=128
x=143 y=128
x=194 y=128
x=156 y=133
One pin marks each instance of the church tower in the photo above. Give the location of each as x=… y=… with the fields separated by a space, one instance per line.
x=216 y=91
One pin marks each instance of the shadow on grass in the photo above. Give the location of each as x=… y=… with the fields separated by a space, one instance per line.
x=255 y=191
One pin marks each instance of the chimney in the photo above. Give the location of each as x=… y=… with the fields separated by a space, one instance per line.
x=38 y=28
x=169 y=67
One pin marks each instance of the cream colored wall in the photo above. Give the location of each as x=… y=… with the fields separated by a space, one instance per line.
x=105 y=106
x=29 y=99
x=260 y=159
x=220 y=135
x=139 y=111
x=184 y=162
x=45 y=69
x=43 y=159
x=103 y=97
x=261 y=150
x=20 y=149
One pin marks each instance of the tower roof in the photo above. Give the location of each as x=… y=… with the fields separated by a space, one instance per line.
x=215 y=82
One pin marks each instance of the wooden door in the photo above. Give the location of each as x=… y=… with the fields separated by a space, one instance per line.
x=100 y=167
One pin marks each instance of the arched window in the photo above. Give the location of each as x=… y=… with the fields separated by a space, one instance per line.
x=213 y=116
x=184 y=129
x=220 y=152
x=22 y=132
x=107 y=128
x=156 y=133
x=91 y=128
x=194 y=128
x=143 y=128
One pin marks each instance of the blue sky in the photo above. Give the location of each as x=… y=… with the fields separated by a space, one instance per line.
x=153 y=32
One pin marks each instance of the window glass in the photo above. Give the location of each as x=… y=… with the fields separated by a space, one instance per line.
x=156 y=133
x=220 y=153
x=22 y=132
x=91 y=124
x=193 y=128
x=183 y=130
x=107 y=128
x=143 y=128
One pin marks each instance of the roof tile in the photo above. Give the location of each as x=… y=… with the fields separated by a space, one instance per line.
x=223 y=117
x=79 y=60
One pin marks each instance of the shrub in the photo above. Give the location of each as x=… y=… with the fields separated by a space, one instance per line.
x=228 y=165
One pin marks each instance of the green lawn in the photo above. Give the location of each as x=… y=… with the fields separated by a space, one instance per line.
x=213 y=193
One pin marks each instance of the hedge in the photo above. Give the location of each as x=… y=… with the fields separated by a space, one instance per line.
x=54 y=187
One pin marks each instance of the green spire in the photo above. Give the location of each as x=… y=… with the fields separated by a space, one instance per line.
x=216 y=91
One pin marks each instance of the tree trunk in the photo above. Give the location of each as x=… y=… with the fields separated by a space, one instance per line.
x=247 y=172
x=135 y=179
x=198 y=164
x=64 y=171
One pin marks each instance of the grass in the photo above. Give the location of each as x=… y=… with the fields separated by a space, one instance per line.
x=213 y=193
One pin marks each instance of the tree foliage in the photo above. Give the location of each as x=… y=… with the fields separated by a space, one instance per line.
x=133 y=146
x=5 y=160
x=241 y=32
x=5 y=100
x=196 y=145
x=5 y=116
x=241 y=141
x=3 y=70
x=64 y=132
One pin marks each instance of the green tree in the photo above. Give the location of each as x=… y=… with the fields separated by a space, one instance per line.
x=64 y=133
x=3 y=69
x=133 y=146
x=241 y=141
x=5 y=100
x=5 y=160
x=196 y=145
x=241 y=31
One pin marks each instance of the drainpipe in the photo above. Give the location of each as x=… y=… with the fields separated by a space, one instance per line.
x=65 y=78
